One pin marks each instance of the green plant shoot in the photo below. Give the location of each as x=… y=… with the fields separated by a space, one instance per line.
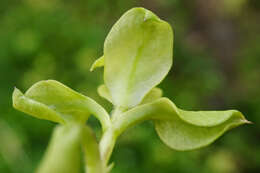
x=137 y=56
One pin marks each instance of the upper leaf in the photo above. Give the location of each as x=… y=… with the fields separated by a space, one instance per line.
x=54 y=101
x=138 y=55
x=179 y=129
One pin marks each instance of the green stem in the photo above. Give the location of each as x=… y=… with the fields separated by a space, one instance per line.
x=108 y=139
x=91 y=150
x=106 y=145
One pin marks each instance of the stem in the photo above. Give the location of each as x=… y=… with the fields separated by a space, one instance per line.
x=90 y=146
x=108 y=139
x=106 y=145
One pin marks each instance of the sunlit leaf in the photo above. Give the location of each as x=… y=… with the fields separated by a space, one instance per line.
x=34 y=108
x=180 y=135
x=54 y=101
x=137 y=55
x=179 y=129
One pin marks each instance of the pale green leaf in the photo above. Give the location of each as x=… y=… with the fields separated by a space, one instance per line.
x=63 y=153
x=180 y=135
x=34 y=108
x=154 y=94
x=98 y=63
x=54 y=101
x=138 y=55
x=104 y=92
x=179 y=129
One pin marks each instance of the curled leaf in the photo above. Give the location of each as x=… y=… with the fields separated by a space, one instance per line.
x=138 y=55
x=56 y=102
x=180 y=135
x=179 y=129
x=34 y=108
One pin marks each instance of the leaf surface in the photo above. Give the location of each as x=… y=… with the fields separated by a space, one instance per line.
x=138 y=55
x=56 y=102
x=179 y=129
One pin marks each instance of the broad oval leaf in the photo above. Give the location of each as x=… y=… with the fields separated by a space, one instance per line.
x=56 y=102
x=64 y=152
x=179 y=129
x=138 y=55
x=154 y=93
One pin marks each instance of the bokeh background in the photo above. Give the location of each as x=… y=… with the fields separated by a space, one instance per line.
x=216 y=66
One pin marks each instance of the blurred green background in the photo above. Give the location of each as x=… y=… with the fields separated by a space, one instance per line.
x=216 y=66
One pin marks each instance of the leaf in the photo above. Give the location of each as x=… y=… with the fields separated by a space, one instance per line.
x=153 y=94
x=34 y=108
x=180 y=135
x=63 y=153
x=179 y=129
x=104 y=92
x=137 y=55
x=98 y=63
x=56 y=102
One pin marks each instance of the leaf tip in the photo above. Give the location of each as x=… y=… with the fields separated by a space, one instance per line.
x=15 y=97
x=98 y=63
x=92 y=68
x=110 y=167
x=245 y=121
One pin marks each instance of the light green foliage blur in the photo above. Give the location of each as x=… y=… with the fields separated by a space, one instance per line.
x=58 y=40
